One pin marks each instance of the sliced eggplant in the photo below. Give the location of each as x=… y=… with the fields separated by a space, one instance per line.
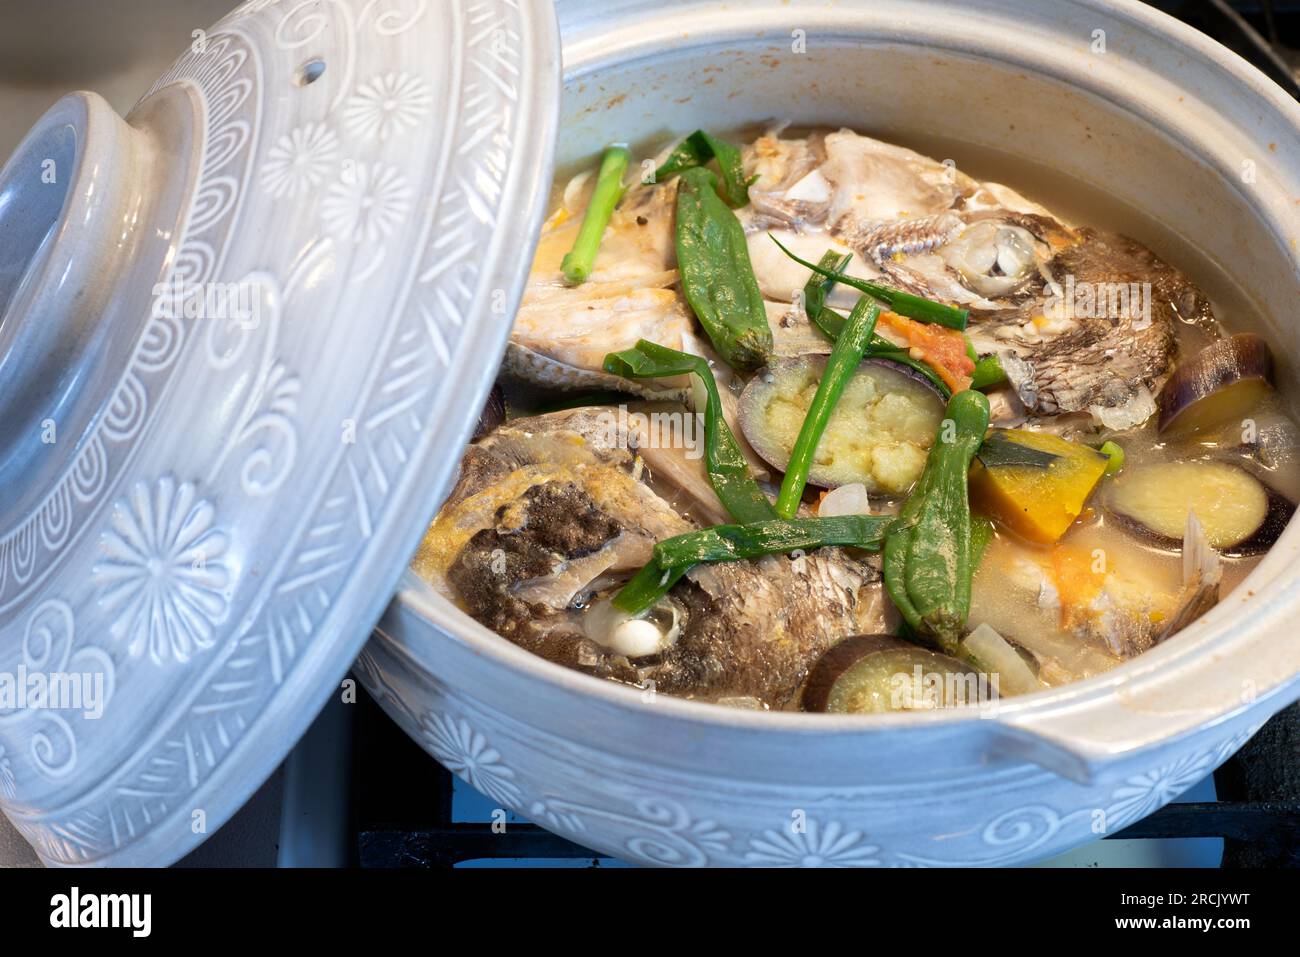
x=1280 y=511
x=878 y=435
x=872 y=674
x=1222 y=382
x=1239 y=513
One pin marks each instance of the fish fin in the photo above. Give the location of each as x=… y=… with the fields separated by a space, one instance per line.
x=1202 y=575
x=523 y=363
x=1201 y=563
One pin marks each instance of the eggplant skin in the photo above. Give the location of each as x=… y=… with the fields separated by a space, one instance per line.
x=1280 y=511
x=1223 y=380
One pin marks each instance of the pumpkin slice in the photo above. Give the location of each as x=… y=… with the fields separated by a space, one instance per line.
x=1033 y=483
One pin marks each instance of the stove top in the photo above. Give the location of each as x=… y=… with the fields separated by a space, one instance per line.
x=358 y=792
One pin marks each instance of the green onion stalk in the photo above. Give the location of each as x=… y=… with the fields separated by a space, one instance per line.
x=579 y=262
x=674 y=557
x=844 y=359
x=696 y=150
x=830 y=323
x=903 y=303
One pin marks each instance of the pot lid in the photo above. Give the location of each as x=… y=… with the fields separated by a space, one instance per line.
x=243 y=335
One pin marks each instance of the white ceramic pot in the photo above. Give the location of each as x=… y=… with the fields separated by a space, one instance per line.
x=1165 y=121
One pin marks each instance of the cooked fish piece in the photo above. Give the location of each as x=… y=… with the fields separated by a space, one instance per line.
x=929 y=229
x=534 y=498
x=562 y=333
x=755 y=628
x=561 y=341
x=1105 y=352
x=874 y=183
x=988 y=261
x=790 y=189
x=551 y=514
x=1090 y=603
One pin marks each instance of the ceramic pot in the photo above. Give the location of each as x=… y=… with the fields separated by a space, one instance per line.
x=1112 y=94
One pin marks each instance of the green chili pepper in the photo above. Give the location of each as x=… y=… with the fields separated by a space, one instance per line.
x=579 y=262
x=928 y=558
x=988 y=373
x=724 y=543
x=903 y=303
x=844 y=359
x=674 y=557
x=726 y=465
x=696 y=150
x=717 y=278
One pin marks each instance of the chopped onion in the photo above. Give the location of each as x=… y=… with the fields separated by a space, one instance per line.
x=848 y=499
x=989 y=651
x=573 y=191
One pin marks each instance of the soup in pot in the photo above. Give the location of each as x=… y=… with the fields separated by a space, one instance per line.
x=808 y=420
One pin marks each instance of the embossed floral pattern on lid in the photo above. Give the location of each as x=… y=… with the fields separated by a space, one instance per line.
x=232 y=511
x=162 y=579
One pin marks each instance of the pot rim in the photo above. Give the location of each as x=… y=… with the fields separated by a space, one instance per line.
x=1195 y=650
x=418 y=598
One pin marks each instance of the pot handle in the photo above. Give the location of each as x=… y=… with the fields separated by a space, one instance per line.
x=1202 y=679
x=1078 y=740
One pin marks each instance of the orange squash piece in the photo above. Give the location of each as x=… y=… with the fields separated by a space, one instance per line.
x=1038 y=502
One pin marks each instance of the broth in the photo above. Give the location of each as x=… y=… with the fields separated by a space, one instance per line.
x=1053 y=599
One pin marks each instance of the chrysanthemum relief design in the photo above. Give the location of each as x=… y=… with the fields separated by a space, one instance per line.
x=300 y=161
x=162 y=579
x=385 y=105
x=367 y=203
x=811 y=844
x=467 y=753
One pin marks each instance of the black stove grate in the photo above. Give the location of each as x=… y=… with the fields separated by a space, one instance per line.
x=1265 y=32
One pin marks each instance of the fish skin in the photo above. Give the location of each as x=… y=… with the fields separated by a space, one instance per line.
x=750 y=629
x=1108 y=366
x=910 y=237
x=755 y=628
x=521 y=362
